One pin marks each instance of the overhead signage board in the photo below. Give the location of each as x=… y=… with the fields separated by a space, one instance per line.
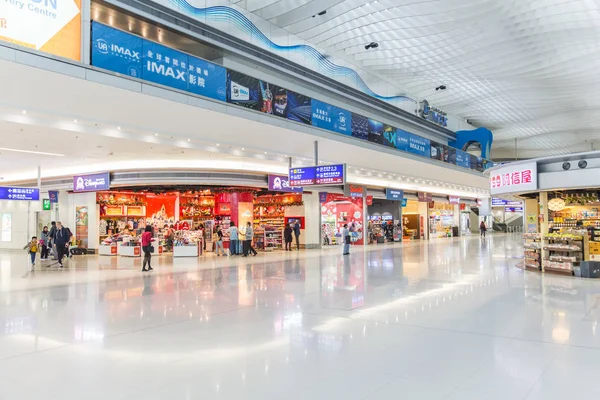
x=496 y=202
x=91 y=182
x=51 y=26
x=453 y=200
x=53 y=196
x=394 y=194
x=513 y=209
x=281 y=183
x=318 y=175
x=17 y=193
x=425 y=197
x=514 y=178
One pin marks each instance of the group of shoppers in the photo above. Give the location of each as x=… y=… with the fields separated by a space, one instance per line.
x=234 y=240
x=57 y=238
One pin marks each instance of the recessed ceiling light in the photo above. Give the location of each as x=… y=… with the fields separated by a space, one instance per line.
x=218 y=144
x=156 y=134
x=24 y=111
x=75 y=120
x=118 y=128
x=189 y=140
x=266 y=152
x=243 y=149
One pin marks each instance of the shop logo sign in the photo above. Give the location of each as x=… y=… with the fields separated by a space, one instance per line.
x=90 y=183
x=281 y=183
x=239 y=92
x=342 y=120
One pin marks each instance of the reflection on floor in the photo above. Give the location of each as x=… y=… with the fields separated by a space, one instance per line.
x=450 y=319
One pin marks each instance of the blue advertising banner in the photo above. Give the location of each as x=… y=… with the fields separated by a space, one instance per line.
x=322 y=115
x=299 y=107
x=394 y=194
x=360 y=127
x=402 y=140
x=131 y=55
x=117 y=51
x=164 y=66
x=13 y=193
x=318 y=175
x=389 y=136
x=342 y=121
x=419 y=146
x=375 y=131
x=207 y=79
x=462 y=159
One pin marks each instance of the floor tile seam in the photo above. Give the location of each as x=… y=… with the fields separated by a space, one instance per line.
x=172 y=323
x=463 y=332
x=548 y=365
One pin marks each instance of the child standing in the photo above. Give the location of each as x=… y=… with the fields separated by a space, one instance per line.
x=32 y=248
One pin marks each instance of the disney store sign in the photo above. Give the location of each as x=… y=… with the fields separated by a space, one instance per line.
x=91 y=182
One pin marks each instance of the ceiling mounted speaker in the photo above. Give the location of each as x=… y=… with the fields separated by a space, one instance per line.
x=582 y=164
x=556 y=204
x=566 y=166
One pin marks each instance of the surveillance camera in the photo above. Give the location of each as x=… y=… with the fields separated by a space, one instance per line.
x=566 y=166
x=582 y=164
x=441 y=87
x=372 y=45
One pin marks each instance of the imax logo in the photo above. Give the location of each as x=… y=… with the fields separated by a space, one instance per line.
x=152 y=66
x=125 y=52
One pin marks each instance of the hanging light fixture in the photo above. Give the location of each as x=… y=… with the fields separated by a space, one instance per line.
x=556 y=204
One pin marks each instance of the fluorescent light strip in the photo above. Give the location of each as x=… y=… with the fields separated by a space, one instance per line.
x=32 y=152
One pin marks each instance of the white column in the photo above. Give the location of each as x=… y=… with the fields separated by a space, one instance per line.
x=312 y=218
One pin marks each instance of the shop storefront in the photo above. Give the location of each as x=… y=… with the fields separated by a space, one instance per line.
x=384 y=221
x=338 y=210
x=186 y=222
x=442 y=220
x=561 y=218
x=413 y=220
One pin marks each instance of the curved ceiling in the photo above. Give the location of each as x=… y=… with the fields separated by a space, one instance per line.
x=524 y=69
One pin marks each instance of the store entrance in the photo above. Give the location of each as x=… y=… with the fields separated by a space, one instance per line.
x=191 y=221
x=384 y=221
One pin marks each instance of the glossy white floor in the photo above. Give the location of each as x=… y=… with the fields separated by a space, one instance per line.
x=450 y=319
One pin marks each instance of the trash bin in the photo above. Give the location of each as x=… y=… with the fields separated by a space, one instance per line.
x=455 y=231
x=590 y=269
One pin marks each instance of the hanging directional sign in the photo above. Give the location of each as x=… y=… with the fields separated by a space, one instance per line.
x=14 y=193
x=318 y=175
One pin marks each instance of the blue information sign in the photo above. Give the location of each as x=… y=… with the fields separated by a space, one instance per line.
x=207 y=79
x=404 y=202
x=14 y=193
x=165 y=66
x=318 y=175
x=394 y=194
x=418 y=145
x=322 y=115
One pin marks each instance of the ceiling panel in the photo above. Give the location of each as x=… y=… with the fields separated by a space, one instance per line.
x=525 y=69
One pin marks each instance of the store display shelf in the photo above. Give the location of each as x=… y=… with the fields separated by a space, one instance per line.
x=559 y=271
x=560 y=259
x=532 y=267
x=562 y=250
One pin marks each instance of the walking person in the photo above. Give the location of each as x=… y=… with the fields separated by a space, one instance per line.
x=234 y=239
x=61 y=240
x=482 y=229
x=219 y=243
x=297 y=234
x=51 y=234
x=44 y=242
x=33 y=247
x=249 y=236
x=287 y=237
x=346 y=237
x=147 y=248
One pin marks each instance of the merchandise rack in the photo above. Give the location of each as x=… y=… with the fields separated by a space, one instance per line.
x=532 y=253
x=563 y=252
